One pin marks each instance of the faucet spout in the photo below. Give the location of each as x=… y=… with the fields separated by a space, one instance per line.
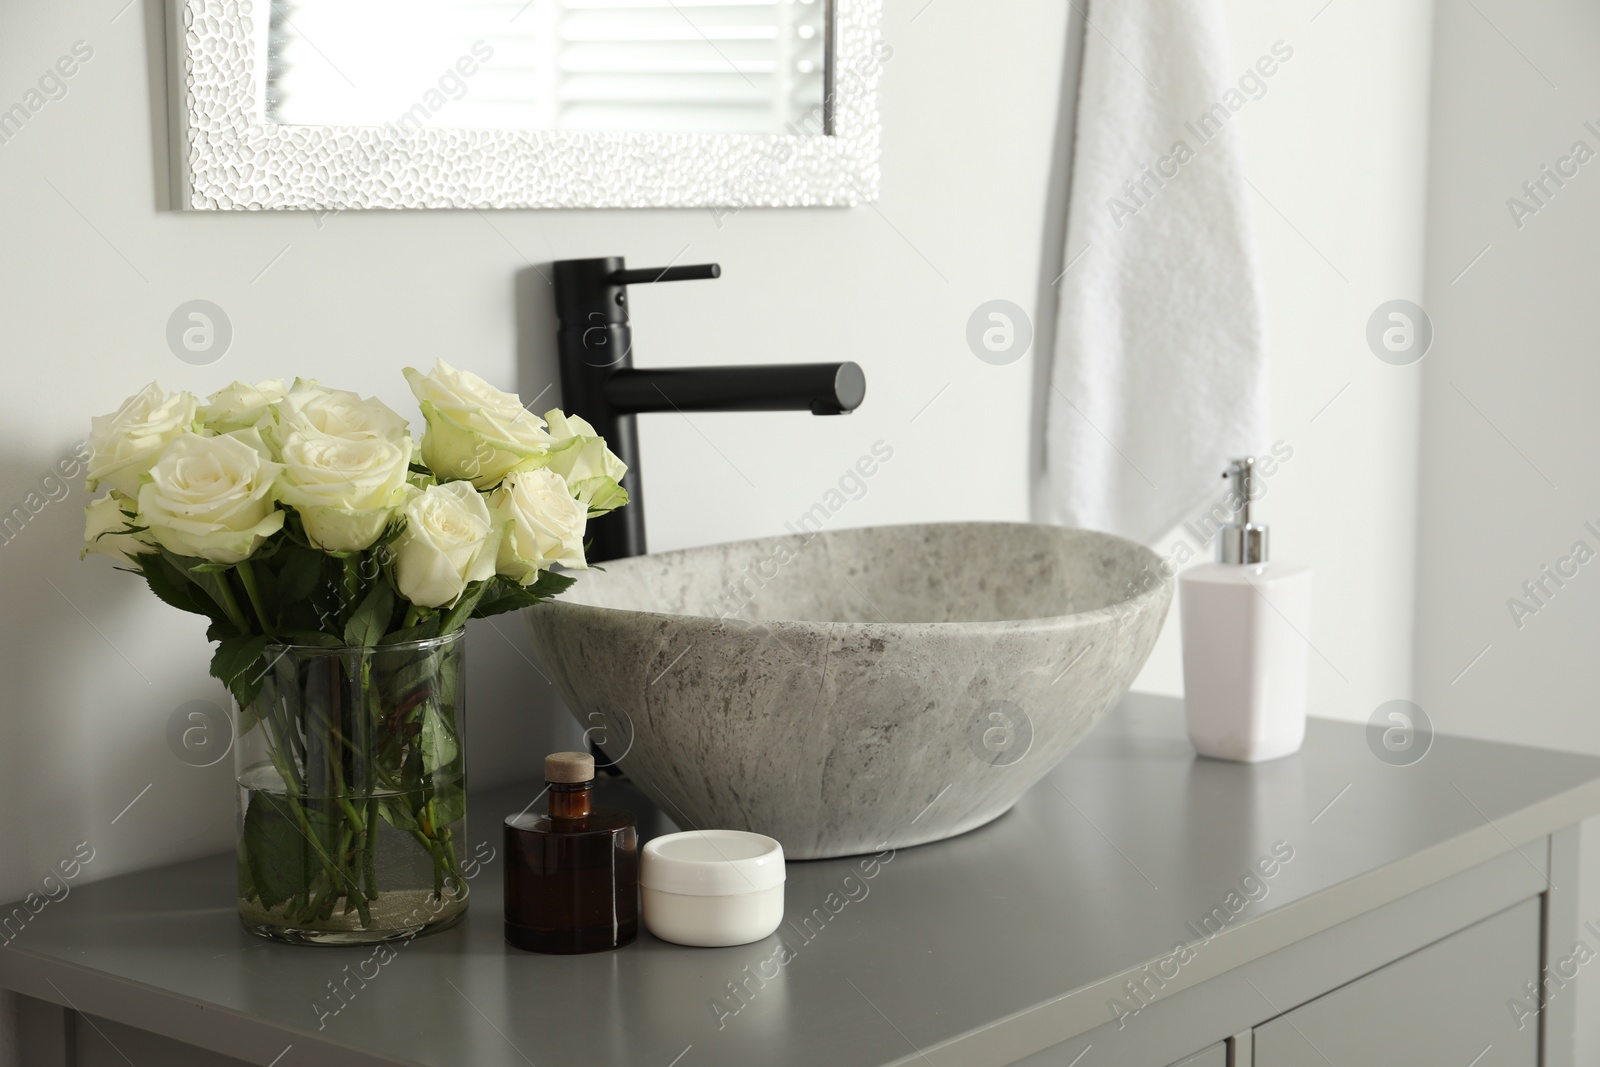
x=600 y=383
x=820 y=388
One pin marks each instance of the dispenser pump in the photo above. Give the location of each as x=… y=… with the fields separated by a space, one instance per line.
x=1242 y=541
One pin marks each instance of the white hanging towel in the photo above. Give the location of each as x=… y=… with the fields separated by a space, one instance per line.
x=1159 y=369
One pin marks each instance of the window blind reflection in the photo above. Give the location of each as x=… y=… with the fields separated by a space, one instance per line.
x=710 y=66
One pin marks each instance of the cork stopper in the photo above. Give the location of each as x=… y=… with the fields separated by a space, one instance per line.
x=569 y=767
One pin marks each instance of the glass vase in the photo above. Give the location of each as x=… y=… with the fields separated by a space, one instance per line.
x=352 y=792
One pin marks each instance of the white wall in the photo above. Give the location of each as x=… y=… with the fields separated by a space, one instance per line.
x=352 y=298
x=1424 y=494
x=1510 y=392
x=1337 y=151
x=92 y=266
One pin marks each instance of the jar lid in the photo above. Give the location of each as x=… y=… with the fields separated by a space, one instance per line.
x=711 y=863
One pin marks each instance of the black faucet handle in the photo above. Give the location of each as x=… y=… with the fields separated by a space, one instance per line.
x=645 y=275
x=594 y=292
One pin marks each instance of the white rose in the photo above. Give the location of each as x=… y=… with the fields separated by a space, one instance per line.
x=105 y=529
x=448 y=542
x=124 y=445
x=211 y=497
x=541 y=525
x=338 y=413
x=345 y=488
x=242 y=406
x=475 y=431
x=592 y=471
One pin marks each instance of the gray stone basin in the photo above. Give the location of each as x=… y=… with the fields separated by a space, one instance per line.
x=853 y=690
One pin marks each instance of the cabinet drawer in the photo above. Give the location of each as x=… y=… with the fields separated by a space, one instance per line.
x=1446 y=1003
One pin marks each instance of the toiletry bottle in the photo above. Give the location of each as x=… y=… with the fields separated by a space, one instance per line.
x=572 y=876
x=1246 y=654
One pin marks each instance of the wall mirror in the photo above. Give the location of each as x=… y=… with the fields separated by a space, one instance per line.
x=335 y=104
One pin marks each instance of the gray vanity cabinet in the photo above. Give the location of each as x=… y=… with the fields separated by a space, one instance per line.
x=1215 y=1056
x=1447 y=1003
x=1408 y=909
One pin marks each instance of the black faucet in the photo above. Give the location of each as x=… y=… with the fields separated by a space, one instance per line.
x=600 y=383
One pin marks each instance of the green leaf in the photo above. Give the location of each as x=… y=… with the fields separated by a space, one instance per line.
x=204 y=574
x=294 y=530
x=423 y=631
x=237 y=665
x=440 y=747
x=250 y=714
x=210 y=568
x=247 y=880
x=449 y=804
x=300 y=574
x=508 y=596
x=281 y=857
x=371 y=619
x=268 y=549
x=182 y=564
x=461 y=610
x=310 y=637
x=221 y=630
x=321 y=611
x=496 y=588
x=406 y=678
x=551 y=584
x=171 y=589
x=510 y=601
x=396 y=811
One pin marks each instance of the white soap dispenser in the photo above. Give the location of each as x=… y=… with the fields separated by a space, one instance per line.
x=1246 y=653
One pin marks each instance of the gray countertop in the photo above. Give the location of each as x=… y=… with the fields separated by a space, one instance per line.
x=1030 y=923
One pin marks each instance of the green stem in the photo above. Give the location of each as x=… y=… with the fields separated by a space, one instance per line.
x=339 y=858
x=333 y=872
x=413 y=613
x=293 y=786
x=351 y=589
x=329 y=902
x=247 y=574
x=369 y=851
x=349 y=845
x=440 y=864
x=276 y=722
x=314 y=890
x=336 y=765
x=450 y=852
x=358 y=835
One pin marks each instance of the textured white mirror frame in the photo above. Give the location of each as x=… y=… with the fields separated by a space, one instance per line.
x=225 y=158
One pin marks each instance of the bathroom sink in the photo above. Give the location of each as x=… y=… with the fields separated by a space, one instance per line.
x=853 y=690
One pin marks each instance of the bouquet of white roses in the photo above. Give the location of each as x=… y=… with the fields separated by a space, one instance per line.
x=301 y=514
x=298 y=517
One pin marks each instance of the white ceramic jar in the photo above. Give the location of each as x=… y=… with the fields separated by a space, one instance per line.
x=711 y=888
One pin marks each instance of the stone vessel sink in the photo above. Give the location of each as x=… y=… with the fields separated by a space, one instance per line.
x=853 y=690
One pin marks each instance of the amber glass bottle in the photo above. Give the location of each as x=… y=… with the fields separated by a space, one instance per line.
x=572 y=875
